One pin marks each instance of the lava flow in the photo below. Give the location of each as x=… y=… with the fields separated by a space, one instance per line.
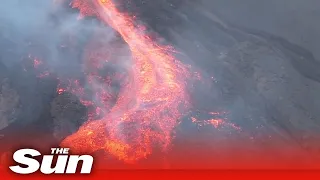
x=148 y=106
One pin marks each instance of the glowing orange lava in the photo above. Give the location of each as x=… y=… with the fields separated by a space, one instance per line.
x=148 y=107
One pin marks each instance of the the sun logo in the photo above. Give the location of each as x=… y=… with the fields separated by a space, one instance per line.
x=66 y=164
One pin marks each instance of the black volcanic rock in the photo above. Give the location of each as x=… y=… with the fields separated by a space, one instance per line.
x=68 y=115
x=9 y=103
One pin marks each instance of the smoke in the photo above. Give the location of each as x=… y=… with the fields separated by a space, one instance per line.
x=19 y=21
x=41 y=29
x=49 y=33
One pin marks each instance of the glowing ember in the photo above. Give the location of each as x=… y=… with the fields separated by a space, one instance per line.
x=215 y=122
x=44 y=74
x=36 y=63
x=60 y=90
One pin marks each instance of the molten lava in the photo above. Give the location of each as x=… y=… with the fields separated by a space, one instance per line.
x=130 y=122
x=148 y=106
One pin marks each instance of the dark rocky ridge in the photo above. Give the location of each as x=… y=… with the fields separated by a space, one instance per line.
x=269 y=84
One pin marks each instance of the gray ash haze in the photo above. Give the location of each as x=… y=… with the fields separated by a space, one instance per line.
x=261 y=56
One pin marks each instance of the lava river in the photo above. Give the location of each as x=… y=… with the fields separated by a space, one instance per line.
x=151 y=103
